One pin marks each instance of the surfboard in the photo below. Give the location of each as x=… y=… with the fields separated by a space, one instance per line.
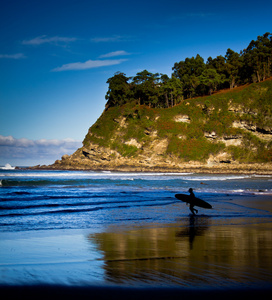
x=196 y=201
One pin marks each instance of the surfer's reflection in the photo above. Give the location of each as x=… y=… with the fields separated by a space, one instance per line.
x=196 y=227
x=146 y=253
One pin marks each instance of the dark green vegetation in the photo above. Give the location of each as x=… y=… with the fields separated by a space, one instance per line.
x=237 y=122
x=192 y=77
x=181 y=119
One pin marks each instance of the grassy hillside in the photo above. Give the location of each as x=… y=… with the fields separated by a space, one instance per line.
x=237 y=122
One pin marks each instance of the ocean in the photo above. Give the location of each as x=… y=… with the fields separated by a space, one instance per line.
x=42 y=200
x=86 y=227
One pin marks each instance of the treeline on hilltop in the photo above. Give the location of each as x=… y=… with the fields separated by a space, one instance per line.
x=193 y=77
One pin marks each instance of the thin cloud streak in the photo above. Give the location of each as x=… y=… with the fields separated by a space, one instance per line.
x=114 y=38
x=89 y=64
x=114 y=54
x=196 y=15
x=40 y=40
x=13 y=56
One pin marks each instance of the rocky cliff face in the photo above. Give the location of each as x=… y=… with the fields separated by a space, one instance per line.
x=229 y=132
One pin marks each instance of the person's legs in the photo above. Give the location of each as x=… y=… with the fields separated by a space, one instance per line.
x=193 y=210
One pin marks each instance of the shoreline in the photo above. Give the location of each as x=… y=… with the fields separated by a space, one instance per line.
x=109 y=259
x=247 y=169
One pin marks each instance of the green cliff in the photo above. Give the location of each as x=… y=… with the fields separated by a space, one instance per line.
x=227 y=131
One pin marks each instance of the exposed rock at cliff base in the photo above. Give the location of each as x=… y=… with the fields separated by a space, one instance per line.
x=232 y=135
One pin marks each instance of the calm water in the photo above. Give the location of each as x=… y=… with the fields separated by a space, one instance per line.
x=127 y=228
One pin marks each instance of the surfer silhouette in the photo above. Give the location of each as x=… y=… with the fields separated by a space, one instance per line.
x=192 y=202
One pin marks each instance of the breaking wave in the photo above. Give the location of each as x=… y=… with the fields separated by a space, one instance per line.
x=7 y=167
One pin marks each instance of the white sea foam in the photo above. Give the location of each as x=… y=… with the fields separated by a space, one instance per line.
x=107 y=175
x=99 y=175
x=7 y=167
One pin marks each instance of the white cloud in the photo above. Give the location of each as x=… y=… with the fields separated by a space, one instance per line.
x=23 y=142
x=89 y=64
x=48 y=40
x=13 y=56
x=114 y=38
x=115 y=53
x=12 y=142
x=196 y=15
x=19 y=151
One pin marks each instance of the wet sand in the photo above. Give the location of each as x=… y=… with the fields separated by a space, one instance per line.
x=192 y=256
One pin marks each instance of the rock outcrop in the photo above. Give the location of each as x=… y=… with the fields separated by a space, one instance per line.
x=211 y=134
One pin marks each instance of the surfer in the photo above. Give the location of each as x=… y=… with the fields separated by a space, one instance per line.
x=192 y=202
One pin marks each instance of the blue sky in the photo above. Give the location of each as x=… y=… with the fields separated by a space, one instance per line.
x=56 y=56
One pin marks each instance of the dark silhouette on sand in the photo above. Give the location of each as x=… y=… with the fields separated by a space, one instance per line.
x=192 y=204
x=195 y=227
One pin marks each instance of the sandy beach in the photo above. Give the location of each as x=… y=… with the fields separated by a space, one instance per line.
x=193 y=256
x=125 y=235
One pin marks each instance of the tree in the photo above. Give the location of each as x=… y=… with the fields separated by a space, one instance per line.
x=211 y=79
x=188 y=72
x=146 y=87
x=176 y=90
x=219 y=64
x=192 y=77
x=233 y=66
x=258 y=57
x=165 y=88
x=171 y=88
x=119 y=90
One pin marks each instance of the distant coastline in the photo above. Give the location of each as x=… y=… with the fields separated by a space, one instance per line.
x=194 y=167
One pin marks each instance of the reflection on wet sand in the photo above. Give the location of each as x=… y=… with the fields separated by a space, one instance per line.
x=196 y=227
x=192 y=252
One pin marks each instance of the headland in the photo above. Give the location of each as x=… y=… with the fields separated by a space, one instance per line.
x=228 y=132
